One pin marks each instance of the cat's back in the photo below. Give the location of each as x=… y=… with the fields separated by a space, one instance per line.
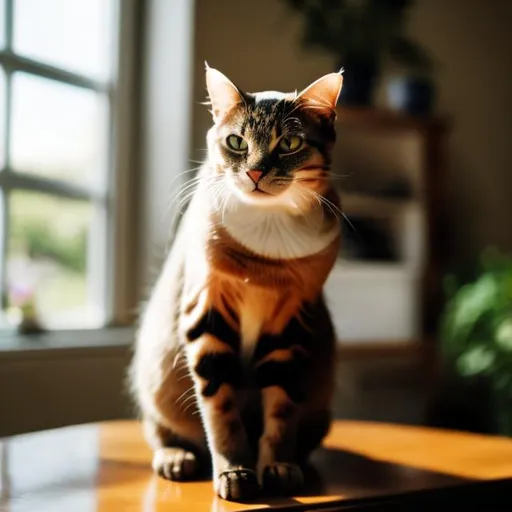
x=159 y=374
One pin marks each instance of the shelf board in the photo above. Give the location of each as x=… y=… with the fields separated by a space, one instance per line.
x=367 y=269
x=414 y=348
x=387 y=119
x=363 y=203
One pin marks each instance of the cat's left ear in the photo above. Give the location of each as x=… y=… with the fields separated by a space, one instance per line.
x=324 y=92
x=223 y=93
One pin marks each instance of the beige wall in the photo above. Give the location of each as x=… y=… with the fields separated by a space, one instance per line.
x=42 y=389
x=256 y=44
x=473 y=41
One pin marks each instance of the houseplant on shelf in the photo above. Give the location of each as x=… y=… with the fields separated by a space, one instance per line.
x=412 y=89
x=361 y=34
x=476 y=338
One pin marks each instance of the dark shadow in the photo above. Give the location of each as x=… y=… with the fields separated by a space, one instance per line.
x=462 y=405
x=362 y=483
x=348 y=473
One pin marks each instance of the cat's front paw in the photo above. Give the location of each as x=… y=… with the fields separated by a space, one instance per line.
x=238 y=484
x=281 y=478
x=175 y=464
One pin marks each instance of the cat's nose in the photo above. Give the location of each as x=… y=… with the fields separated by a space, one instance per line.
x=255 y=175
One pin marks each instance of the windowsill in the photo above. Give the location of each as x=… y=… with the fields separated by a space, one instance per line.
x=109 y=337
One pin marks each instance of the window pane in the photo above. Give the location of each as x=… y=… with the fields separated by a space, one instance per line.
x=72 y=34
x=58 y=131
x=47 y=261
x=2 y=23
x=2 y=117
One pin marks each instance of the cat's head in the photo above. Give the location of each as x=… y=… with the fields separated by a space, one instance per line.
x=273 y=148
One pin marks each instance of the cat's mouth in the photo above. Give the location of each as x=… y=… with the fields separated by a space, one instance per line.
x=257 y=190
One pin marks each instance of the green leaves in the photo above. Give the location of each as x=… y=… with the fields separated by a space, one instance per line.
x=360 y=30
x=504 y=335
x=476 y=329
x=464 y=312
x=475 y=361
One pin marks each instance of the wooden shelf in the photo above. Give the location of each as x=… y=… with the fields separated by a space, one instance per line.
x=370 y=349
x=389 y=120
x=354 y=203
x=432 y=132
x=371 y=269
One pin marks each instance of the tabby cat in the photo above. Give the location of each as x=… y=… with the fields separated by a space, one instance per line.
x=233 y=365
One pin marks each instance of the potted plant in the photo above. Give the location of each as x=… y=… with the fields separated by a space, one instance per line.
x=476 y=335
x=22 y=282
x=361 y=34
x=412 y=89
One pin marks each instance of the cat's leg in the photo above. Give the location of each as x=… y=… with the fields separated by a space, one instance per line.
x=164 y=397
x=320 y=378
x=279 y=376
x=217 y=373
x=313 y=426
x=174 y=458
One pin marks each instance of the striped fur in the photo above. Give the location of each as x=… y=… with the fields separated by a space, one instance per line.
x=234 y=359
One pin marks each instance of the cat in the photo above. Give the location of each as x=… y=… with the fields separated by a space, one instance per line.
x=234 y=358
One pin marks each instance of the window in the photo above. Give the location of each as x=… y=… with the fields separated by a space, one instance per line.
x=59 y=103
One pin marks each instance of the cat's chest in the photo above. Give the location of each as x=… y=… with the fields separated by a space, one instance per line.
x=261 y=312
x=252 y=317
x=278 y=236
x=255 y=313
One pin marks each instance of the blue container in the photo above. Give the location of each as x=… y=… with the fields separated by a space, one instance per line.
x=358 y=84
x=413 y=95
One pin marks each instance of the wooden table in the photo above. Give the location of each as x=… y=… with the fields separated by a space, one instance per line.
x=367 y=466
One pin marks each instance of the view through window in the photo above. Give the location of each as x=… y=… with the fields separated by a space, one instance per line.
x=56 y=87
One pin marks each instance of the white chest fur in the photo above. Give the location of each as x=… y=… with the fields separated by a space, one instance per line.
x=276 y=234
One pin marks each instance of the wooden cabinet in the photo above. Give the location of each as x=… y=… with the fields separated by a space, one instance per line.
x=390 y=169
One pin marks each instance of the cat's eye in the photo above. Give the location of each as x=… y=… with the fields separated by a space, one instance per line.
x=290 y=144
x=236 y=143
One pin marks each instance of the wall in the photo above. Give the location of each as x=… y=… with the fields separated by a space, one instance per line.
x=165 y=108
x=256 y=45
x=473 y=42
x=42 y=389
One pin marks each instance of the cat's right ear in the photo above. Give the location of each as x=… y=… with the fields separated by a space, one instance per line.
x=223 y=93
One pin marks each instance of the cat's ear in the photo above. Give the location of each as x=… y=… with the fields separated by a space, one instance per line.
x=324 y=92
x=223 y=93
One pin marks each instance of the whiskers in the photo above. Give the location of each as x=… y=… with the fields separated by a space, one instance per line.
x=215 y=190
x=175 y=196
x=187 y=400
x=180 y=199
x=320 y=172
x=308 y=194
x=221 y=197
x=335 y=210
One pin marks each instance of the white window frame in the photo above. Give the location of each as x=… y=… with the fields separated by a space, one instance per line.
x=117 y=263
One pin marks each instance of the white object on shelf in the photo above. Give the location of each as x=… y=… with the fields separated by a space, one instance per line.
x=374 y=302
x=411 y=239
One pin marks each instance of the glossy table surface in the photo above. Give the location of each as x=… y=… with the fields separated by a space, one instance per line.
x=106 y=467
